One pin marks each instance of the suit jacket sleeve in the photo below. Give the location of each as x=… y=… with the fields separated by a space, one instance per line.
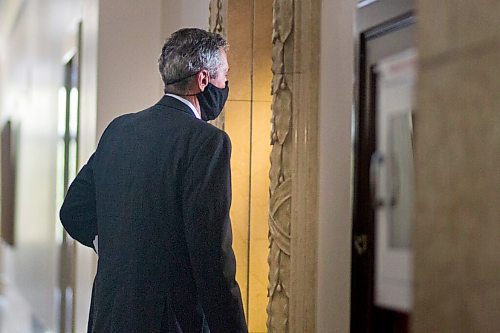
x=206 y=203
x=78 y=212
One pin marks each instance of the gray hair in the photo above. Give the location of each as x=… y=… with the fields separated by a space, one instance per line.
x=188 y=51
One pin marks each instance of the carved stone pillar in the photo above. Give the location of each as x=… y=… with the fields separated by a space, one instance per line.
x=293 y=175
x=281 y=169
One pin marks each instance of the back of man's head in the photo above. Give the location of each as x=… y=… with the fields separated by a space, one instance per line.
x=185 y=53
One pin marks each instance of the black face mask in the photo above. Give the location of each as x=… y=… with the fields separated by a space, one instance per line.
x=212 y=101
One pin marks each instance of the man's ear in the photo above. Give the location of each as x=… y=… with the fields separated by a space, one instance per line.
x=202 y=79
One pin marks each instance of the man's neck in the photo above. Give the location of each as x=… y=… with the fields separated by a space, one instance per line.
x=189 y=97
x=193 y=101
x=189 y=102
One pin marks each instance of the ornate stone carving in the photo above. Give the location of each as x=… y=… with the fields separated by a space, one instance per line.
x=281 y=173
x=216 y=19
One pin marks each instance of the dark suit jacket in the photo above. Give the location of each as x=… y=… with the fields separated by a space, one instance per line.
x=157 y=191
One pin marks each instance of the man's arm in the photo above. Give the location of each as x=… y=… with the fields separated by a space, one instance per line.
x=206 y=203
x=78 y=212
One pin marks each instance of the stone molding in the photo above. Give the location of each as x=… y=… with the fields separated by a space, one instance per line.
x=304 y=165
x=281 y=173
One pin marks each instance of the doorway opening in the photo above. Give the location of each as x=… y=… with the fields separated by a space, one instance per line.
x=247 y=120
x=383 y=167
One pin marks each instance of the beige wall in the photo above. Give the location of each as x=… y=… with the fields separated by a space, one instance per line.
x=129 y=43
x=183 y=14
x=457 y=229
x=334 y=218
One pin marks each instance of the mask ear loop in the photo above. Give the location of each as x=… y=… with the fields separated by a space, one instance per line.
x=182 y=79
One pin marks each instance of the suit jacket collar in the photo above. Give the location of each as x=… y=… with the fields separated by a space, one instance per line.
x=170 y=102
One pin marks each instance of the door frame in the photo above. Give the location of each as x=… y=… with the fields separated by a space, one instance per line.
x=373 y=19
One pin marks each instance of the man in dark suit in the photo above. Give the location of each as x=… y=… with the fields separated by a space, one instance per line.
x=157 y=193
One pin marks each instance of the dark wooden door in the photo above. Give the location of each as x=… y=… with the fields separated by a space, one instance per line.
x=384 y=28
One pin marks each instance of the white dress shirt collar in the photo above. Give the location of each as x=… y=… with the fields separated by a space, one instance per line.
x=188 y=103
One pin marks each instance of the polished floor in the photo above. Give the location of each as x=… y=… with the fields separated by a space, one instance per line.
x=15 y=316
